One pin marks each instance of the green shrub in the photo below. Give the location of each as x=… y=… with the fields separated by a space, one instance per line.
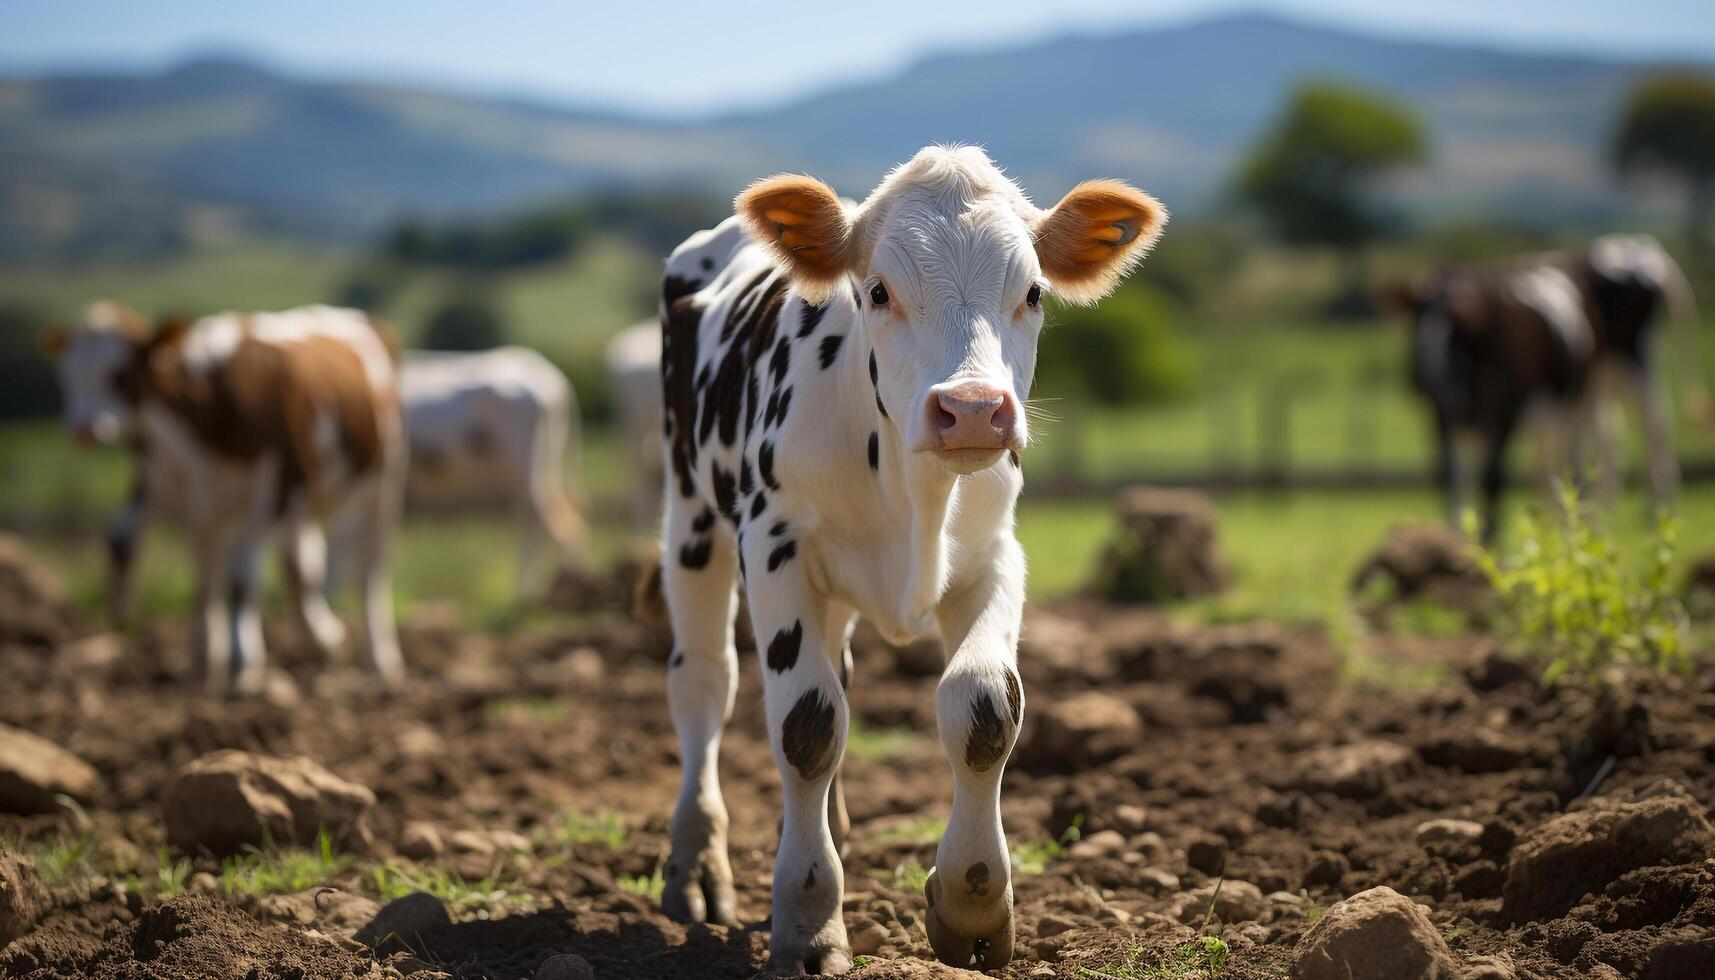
x=1568 y=598
x=1125 y=351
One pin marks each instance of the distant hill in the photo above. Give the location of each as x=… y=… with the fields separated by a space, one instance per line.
x=122 y=159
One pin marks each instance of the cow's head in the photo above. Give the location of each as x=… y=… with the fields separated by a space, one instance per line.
x=1447 y=317
x=97 y=360
x=949 y=263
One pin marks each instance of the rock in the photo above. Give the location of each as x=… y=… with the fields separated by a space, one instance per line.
x=1208 y=854
x=1488 y=968
x=1476 y=750
x=1326 y=869
x=566 y=966
x=33 y=771
x=1284 y=904
x=1495 y=668
x=1129 y=818
x=1448 y=832
x=1357 y=771
x=1101 y=844
x=33 y=607
x=1429 y=560
x=1555 y=864
x=1072 y=732
x=421 y=841
x=1480 y=879
x=1157 y=879
x=203 y=883
x=228 y=799
x=866 y=937
x=401 y=923
x=1377 y=934
x=1282 y=811
x=23 y=899
x=1238 y=901
x=1165 y=548
x=325 y=908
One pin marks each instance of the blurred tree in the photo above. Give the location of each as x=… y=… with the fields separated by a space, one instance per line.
x=1125 y=351
x=1312 y=176
x=1668 y=125
x=28 y=388
x=468 y=320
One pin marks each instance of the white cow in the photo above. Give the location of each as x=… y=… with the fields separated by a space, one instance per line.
x=844 y=389
x=245 y=425
x=497 y=425
x=634 y=370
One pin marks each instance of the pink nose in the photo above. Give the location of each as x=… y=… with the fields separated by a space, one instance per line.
x=971 y=415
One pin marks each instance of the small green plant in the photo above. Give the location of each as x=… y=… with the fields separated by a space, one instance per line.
x=919 y=830
x=1312 y=911
x=391 y=881
x=644 y=886
x=908 y=875
x=1205 y=956
x=878 y=744
x=1032 y=857
x=268 y=870
x=605 y=827
x=1567 y=597
x=530 y=710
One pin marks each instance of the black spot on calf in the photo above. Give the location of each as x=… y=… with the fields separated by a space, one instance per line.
x=695 y=554
x=765 y=465
x=986 y=743
x=808 y=317
x=783 y=649
x=782 y=357
x=704 y=521
x=758 y=505
x=807 y=736
x=1014 y=697
x=777 y=530
x=782 y=553
x=830 y=349
x=977 y=878
x=874 y=451
x=677 y=660
x=726 y=492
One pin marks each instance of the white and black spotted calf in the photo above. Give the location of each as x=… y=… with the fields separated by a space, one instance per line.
x=843 y=417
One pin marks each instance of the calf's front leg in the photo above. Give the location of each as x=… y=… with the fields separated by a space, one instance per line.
x=806 y=710
x=978 y=707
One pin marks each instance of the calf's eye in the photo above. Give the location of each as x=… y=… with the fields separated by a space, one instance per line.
x=1033 y=299
x=878 y=294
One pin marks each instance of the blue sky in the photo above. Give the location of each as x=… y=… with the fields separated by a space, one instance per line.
x=700 y=56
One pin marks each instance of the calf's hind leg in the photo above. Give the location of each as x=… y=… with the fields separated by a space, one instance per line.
x=698 y=568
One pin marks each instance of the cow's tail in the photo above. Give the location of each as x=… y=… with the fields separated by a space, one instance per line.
x=1682 y=318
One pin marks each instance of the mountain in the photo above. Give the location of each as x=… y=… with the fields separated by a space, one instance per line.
x=217 y=142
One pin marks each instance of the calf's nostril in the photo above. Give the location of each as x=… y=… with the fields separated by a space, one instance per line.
x=941 y=415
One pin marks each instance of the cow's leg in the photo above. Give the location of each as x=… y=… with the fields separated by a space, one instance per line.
x=124 y=544
x=213 y=634
x=978 y=706
x=1653 y=409
x=245 y=578
x=838 y=633
x=1498 y=436
x=698 y=568
x=378 y=516
x=1447 y=471
x=806 y=711
x=303 y=564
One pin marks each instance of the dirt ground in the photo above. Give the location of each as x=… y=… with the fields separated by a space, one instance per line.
x=1184 y=756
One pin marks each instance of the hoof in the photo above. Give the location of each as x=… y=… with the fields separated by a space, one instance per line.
x=811 y=963
x=699 y=891
x=986 y=951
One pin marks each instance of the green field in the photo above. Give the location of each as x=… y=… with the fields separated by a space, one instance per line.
x=1274 y=384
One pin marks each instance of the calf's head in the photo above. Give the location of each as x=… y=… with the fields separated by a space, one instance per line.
x=949 y=263
x=97 y=361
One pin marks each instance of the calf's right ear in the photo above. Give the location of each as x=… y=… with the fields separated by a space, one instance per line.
x=807 y=227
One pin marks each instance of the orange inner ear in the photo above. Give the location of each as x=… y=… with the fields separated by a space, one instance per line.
x=1095 y=234
x=803 y=220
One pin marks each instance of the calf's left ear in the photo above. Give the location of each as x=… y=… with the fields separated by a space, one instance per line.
x=1093 y=237
x=806 y=225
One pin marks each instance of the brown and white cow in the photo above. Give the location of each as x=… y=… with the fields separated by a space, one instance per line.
x=1558 y=339
x=844 y=388
x=245 y=426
